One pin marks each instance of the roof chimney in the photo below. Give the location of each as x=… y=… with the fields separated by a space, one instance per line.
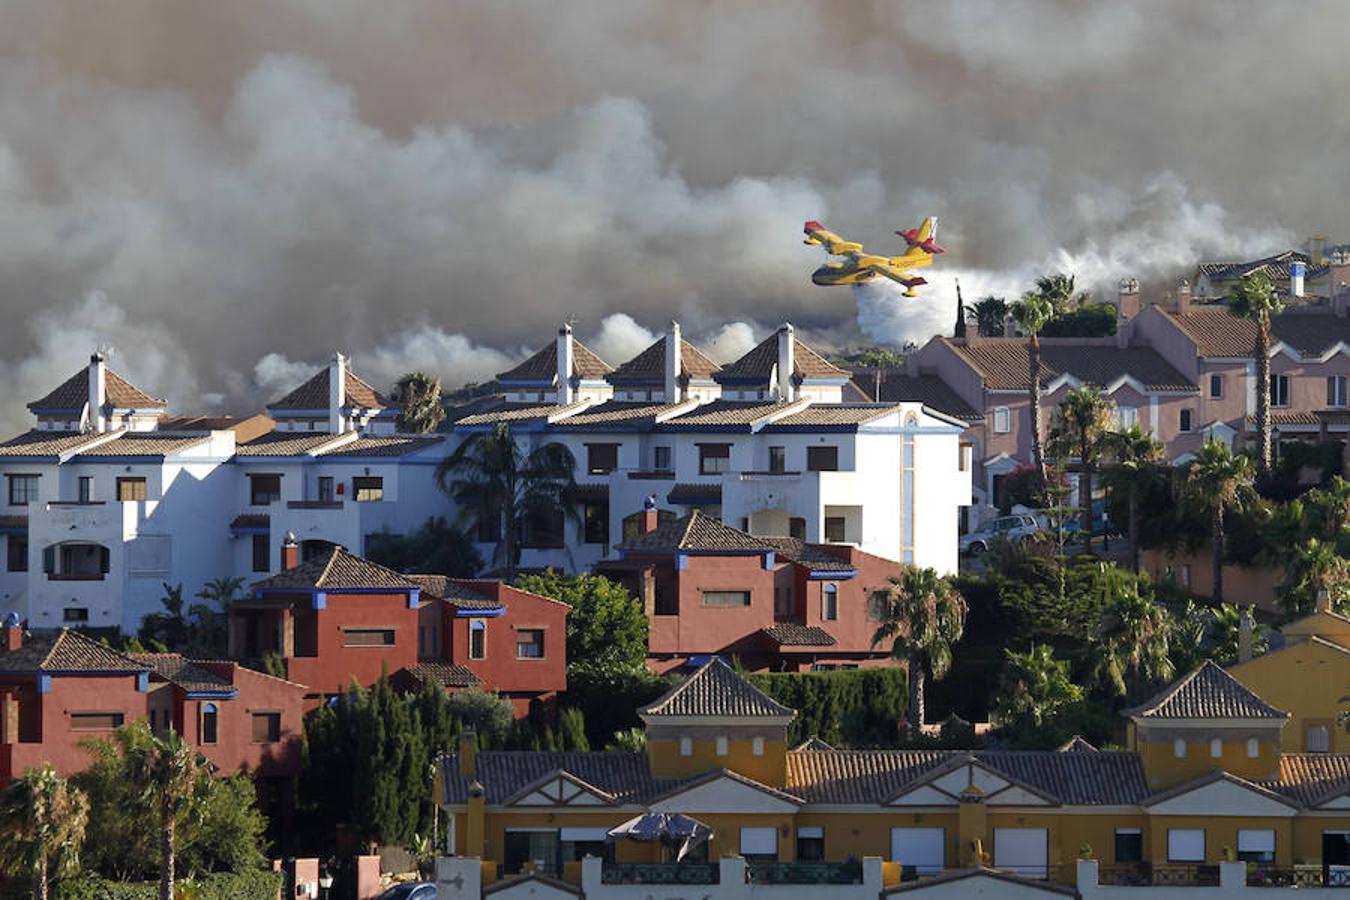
x=337 y=393
x=1246 y=630
x=565 y=364
x=787 y=340
x=1127 y=299
x=1340 y=281
x=98 y=393
x=1297 y=271
x=1323 y=601
x=1183 y=297
x=960 y=332
x=1009 y=326
x=13 y=633
x=1317 y=249
x=290 y=552
x=650 y=517
x=674 y=363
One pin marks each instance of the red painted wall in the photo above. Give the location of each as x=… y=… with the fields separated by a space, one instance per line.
x=502 y=670
x=332 y=670
x=234 y=749
x=59 y=745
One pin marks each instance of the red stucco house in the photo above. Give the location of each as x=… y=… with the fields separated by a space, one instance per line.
x=774 y=603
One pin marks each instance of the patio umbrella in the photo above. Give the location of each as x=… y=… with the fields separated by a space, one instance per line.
x=677 y=831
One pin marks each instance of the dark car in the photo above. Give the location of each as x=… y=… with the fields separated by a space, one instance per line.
x=412 y=890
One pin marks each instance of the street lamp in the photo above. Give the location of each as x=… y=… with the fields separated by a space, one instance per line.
x=325 y=881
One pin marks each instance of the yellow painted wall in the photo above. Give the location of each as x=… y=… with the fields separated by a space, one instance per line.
x=1327 y=625
x=1164 y=769
x=869 y=834
x=770 y=769
x=1222 y=832
x=1308 y=835
x=1307 y=680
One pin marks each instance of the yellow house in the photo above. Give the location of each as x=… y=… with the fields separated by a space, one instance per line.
x=1204 y=780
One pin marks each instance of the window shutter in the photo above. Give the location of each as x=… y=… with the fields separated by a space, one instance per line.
x=49 y=560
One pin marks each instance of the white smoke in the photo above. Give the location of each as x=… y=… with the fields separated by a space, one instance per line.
x=620 y=339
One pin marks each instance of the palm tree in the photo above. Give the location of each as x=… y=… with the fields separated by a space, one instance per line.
x=922 y=616
x=501 y=488
x=1036 y=686
x=1216 y=481
x=209 y=618
x=1059 y=290
x=1226 y=634
x=1316 y=567
x=1135 y=637
x=1254 y=298
x=1328 y=509
x=1136 y=457
x=1032 y=313
x=176 y=778
x=1081 y=423
x=42 y=822
x=989 y=314
x=418 y=396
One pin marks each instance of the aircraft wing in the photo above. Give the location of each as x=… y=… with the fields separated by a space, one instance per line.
x=833 y=243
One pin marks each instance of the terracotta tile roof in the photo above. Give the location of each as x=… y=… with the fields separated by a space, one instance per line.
x=553 y=885
x=930 y=390
x=67 y=651
x=177 y=669
x=455 y=592
x=1217 y=333
x=649 y=366
x=815 y=557
x=627 y=414
x=791 y=634
x=1312 y=778
x=1311 y=334
x=695 y=532
x=313 y=394
x=1004 y=364
x=543 y=366
x=519 y=412
x=445 y=674
x=1077 y=744
x=1275 y=267
x=73 y=394
x=834 y=414
x=759 y=363
x=1207 y=692
x=336 y=570
x=251 y=520
x=383 y=445
x=625 y=776
x=284 y=443
x=145 y=443
x=871 y=776
x=812 y=744
x=725 y=412
x=716 y=690
x=714 y=775
x=46 y=443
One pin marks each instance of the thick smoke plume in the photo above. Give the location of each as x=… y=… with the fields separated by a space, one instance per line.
x=228 y=192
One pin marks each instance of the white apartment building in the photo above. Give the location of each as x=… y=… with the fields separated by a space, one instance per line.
x=766 y=443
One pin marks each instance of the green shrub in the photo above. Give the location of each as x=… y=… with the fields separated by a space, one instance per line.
x=855 y=708
x=253 y=885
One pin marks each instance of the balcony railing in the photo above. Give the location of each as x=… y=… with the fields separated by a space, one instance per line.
x=804 y=873
x=659 y=873
x=314 y=504
x=1158 y=874
x=1306 y=876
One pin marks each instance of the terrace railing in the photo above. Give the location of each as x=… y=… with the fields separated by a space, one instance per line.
x=659 y=873
x=804 y=873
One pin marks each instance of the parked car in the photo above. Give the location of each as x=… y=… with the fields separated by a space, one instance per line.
x=1014 y=528
x=412 y=890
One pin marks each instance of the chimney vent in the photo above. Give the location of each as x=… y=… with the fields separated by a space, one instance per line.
x=1297 y=271
x=337 y=393
x=1183 y=297
x=565 y=364
x=1339 y=278
x=98 y=393
x=785 y=389
x=674 y=363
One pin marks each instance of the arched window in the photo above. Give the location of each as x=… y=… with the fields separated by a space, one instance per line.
x=210 y=723
x=829 y=606
x=477 y=639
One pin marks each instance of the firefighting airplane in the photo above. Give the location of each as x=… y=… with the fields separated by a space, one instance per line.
x=858 y=267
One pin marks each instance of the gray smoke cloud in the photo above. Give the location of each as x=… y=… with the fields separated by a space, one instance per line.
x=228 y=192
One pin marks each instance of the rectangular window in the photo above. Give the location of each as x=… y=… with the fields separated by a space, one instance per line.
x=877 y=604
x=777 y=459
x=528 y=846
x=1279 y=390
x=367 y=637
x=782 y=602
x=1317 y=737
x=477 y=639
x=1022 y=851
x=1256 y=845
x=266 y=727
x=810 y=844
x=919 y=851
x=601 y=459
x=1126 y=417
x=264 y=489
x=727 y=599
x=595 y=521
x=75 y=614
x=17 y=553
x=822 y=459
x=1185 y=420
x=1215 y=387
x=829 y=604
x=579 y=843
x=326 y=489
x=661 y=459
x=130 y=488
x=714 y=459
x=95 y=721
x=77 y=562
x=23 y=489
x=86 y=489
x=1335 y=390
x=542 y=529
x=367 y=488
x=759 y=844
x=1002 y=420
x=1186 y=845
x=530 y=643
x=835 y=529
x=1129 y=845
x=262 y=553
x=797 y=528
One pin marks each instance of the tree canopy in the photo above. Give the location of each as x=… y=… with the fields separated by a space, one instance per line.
x=606 y=629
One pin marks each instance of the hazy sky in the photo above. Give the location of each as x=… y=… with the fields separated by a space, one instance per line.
x=226 y=192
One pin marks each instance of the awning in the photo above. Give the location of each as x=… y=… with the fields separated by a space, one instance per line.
x=679 y=832
x=695 y=495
